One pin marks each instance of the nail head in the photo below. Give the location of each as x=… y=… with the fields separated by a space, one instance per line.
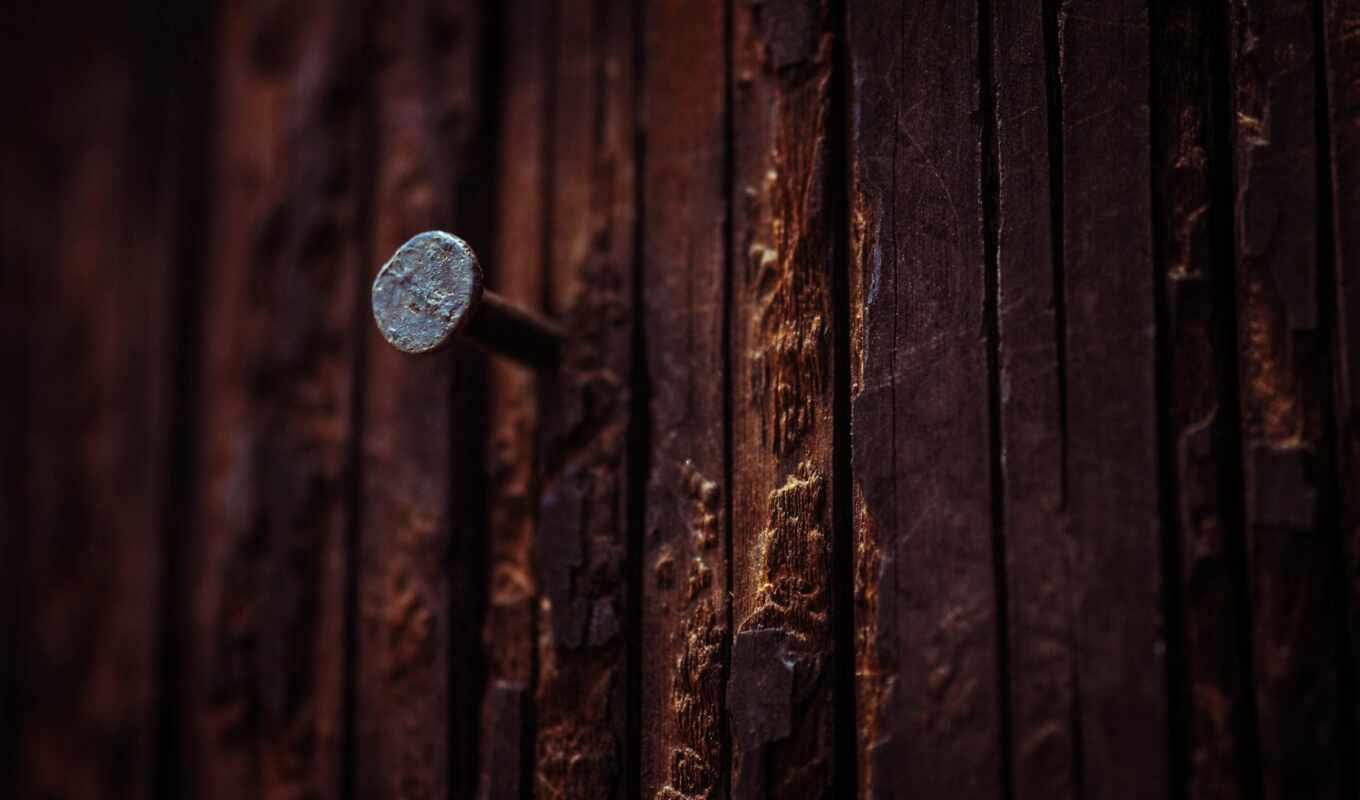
x=424 y=293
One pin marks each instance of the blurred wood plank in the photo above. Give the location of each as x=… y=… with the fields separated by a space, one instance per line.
x=1285 y=365
x=1208 y=612
x=518 y=273
x=422 y=535
x=266 y=560
x=783 y=672
x=685 y=575
x=590 y=485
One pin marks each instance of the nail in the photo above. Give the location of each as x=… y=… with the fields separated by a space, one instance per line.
x=431 y=290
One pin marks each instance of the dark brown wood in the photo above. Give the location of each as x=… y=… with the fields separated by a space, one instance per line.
x=420 y=567
x=1210 y=700
x=266 y=563
x=1039 y=623
x=782 y=678
x=1108 y=368
x=508 y=634
x=1297 y=603
x=583 y=748
x=685 y=575
x=1341 y=19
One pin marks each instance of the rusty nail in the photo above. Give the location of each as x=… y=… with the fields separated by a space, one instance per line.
x=431 y=290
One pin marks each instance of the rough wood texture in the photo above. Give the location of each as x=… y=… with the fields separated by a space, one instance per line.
x=1297 y=602
x=782 y=677
x=516 y=272
x=582 y=694
x=90 y=271
x=684 y=582
x=1108 y=370
x=1034 y=524
x=420 y=558
x=1341 y=21
x=1210 y=693
x=920 y=415
x=266 y=560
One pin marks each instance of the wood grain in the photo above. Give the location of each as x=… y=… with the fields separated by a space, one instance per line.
x=583 y=748
x=1284 y=354
x=781 y=686
x=1039 y=623
x=685 y=576
x=421 y=558
x=516 y=272
x=930 y=716
x=1341 y=20
x=1109 y=370
x=1212 y=713
x=266 y=564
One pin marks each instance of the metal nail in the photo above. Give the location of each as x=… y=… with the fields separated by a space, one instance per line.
x=431 y=290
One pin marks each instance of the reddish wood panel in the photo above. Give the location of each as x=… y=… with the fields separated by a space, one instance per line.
x=781 y=688
x=1210 y=700
x=1283 y=348
x=685 y=576
x=922 y=450
x=420 y=564
x=1341 y=20
x=1039 y=623
x=1109 y=372
x=583 y=748
x=90 y=243
x=266 y=566
x=516 y=272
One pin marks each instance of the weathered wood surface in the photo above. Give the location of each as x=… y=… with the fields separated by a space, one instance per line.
x=515 y=271
x=266 y=558
x=930 y=722
x=585 y=745
x=1301 y=663
x=685 y=540
x=961 y=400
x=1212 y=711
x=422 y=533
x=781 y=685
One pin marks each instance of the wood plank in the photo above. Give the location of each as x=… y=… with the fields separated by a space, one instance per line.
x=1034 y=524
x=780 y=692
x=422 y=533
x=1297 y=601
x=583 y=747
x=1341 y=20
x=684 y=601
x=930 y=714
x=1109 y=369
x=1208 y=625
x=91 y=186
x=517 y=273
x=266 y=565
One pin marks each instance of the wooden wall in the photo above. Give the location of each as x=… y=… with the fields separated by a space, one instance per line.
x=962 y=401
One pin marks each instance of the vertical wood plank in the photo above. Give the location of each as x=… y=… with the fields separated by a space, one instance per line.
x=1038 y=566
x=930 y=714
x=1297 y=602
x=1341 y=21
x=1213 y=720
x=508 y=635
x=91 y=191
x=1109 y=369
x=420 y=569
x=780 y=691
x=684 y=602
x=583 y=748
x=267 y=561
